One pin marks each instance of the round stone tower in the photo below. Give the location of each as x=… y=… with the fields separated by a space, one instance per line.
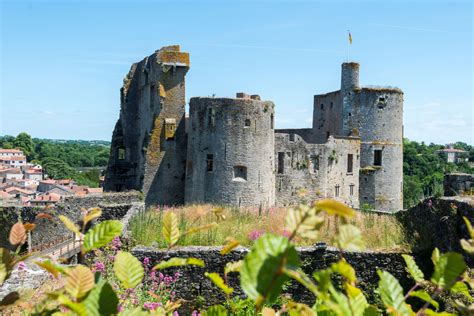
x=231 y=151
x=350 y=76
x=380 y=121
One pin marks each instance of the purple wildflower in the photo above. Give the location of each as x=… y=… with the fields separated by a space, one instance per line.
x=99 y=266
x=430 y=203
x=21 y=266
x=151 y=305
x=286 y=233
x=196 y=313
x=146 y=261
x=117 y=243
x=255 y=234
x=175 y=313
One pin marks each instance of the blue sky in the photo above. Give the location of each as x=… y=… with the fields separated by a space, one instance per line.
x=63 y=62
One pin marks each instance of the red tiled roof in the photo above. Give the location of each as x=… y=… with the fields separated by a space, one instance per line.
x=2 y=150
x=48 y=197
x=452 y=150
x=10 y=189
x=11 y=170
x=5 y=196
x=50 y=181
x=13 y=158
x=94 y=190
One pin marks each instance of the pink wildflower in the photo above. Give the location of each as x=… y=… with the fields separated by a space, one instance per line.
x=99 y=266
x=196 y=313
x=286 y=233
x=430 y=203
x=151 y=305
x=21 y=266
x=255 y=234
x=146 y=261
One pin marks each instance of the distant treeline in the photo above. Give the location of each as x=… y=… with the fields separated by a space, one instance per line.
x=423 y=167
x=59 y=158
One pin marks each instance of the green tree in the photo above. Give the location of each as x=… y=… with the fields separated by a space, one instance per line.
x=25 y=143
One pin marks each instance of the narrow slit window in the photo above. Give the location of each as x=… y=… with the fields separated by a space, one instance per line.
x=351 y=190
x=281 y=162
x=350 y=163
x=121 y=153
x=210 y=163
x=271 y=121
x=377 y=157
x=336 y=193
x=247 y=123
x=211 y=117
x=315 y=162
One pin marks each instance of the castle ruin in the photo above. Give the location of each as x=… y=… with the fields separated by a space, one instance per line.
x=228 y=152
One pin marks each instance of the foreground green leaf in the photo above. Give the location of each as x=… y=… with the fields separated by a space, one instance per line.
x=219 y=282
x=128 y=269
x=5 y=264
x=178 y=262
x=170 y=228
x=349 y=237
x=101 y=234
x=422 y=295
x=79 y=281
x=261 y=275
x=413 y=269
x=101 y=300
x=391 y=293
x=448 y=268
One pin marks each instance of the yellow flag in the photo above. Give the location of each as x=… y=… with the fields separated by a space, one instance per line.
x=350 y=38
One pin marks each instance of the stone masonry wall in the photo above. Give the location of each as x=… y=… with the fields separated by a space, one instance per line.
x=320 y=169
x=457 y=183
x=231 y=152
x=113 y=205
x=193 y=284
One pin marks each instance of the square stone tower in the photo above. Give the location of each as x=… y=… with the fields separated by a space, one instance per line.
x=148 y=151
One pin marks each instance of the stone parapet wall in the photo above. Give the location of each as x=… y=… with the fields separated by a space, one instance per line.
x=113 y=205
x=457 y=183
x=193 y=283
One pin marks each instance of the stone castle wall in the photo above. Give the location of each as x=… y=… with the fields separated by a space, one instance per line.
x=320 y=169
x=457 y=183
x=230 y=152
x=192 y=282
x=142 y=156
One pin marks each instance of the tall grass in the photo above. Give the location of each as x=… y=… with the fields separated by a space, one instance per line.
x=380 y=231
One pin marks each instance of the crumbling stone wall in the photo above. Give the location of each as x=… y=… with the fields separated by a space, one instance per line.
x=193 y=284
x=438 y=222
x=320 y=169
x=143 y=157
x=231 y=152
x=457 y=183
x=113 y=205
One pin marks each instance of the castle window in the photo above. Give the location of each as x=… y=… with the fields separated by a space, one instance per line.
x=377 y=157
x=240 y=173
x=331 y=105
x=211 y=119
x=281 y=162
x=121 y=153
x=315 y=162
x=271 y=121
x=336 y=193
x=170 y=128
x=351 y=190
x=322 y=106
x=350 y=163
x=210 y=163
x=292 y=137
x=327 y=135
x=247 y=123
